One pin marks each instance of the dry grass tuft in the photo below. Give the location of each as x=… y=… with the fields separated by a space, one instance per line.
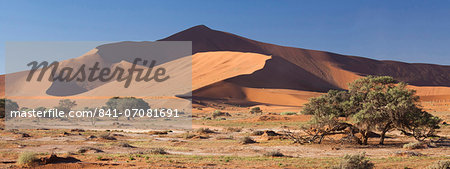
x=27 y=159
x=357 y=161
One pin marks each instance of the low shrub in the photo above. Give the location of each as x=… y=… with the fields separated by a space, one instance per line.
x=218 y=113
x=288 y=113
x=439 y=165
x=357 y=161
x=247 y=140
x=255 y=110
x=204 y=131
x=413 y=145
x=158 y=151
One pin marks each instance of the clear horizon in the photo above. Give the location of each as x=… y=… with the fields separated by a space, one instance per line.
x=407 y=31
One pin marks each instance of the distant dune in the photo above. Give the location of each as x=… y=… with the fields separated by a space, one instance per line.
x=317 y=63
x=234 y=69
x=2 y=85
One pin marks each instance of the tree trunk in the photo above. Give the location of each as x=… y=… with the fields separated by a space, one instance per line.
x=383 y=133
x=365 y=137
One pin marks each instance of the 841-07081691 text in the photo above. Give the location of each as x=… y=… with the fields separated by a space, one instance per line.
x=97 y=112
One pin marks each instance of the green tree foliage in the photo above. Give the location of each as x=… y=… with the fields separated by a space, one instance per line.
x=123 y=103
x=66 y=105
x=327 y=110
x=40 y=109
x=367 y=101
x=255 y=110
x=422 y=124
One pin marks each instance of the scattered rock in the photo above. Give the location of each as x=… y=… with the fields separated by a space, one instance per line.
x=126 y=145
x=335 y=148
x=200 y=137
x=107 y=136
x=77 y=130
x=274 y=154
x=86 y=149
x=159 y=132
x=91 y=137
x=23 y=135
x=53 y=159
x=117 y=135
x=257 y=133
x=269 y=135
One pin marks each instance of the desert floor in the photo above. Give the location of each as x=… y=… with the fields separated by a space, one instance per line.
x=218 y=147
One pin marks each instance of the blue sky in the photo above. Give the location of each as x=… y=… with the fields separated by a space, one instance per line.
x=404 y=30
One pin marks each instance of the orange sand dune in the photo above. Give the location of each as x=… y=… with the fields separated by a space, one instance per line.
x=435 y=94
x=211 y=67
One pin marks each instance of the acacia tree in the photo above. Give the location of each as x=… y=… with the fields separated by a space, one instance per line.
x=373 y=104
x=379 y=103
x=66 y=105
x=123 y=103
